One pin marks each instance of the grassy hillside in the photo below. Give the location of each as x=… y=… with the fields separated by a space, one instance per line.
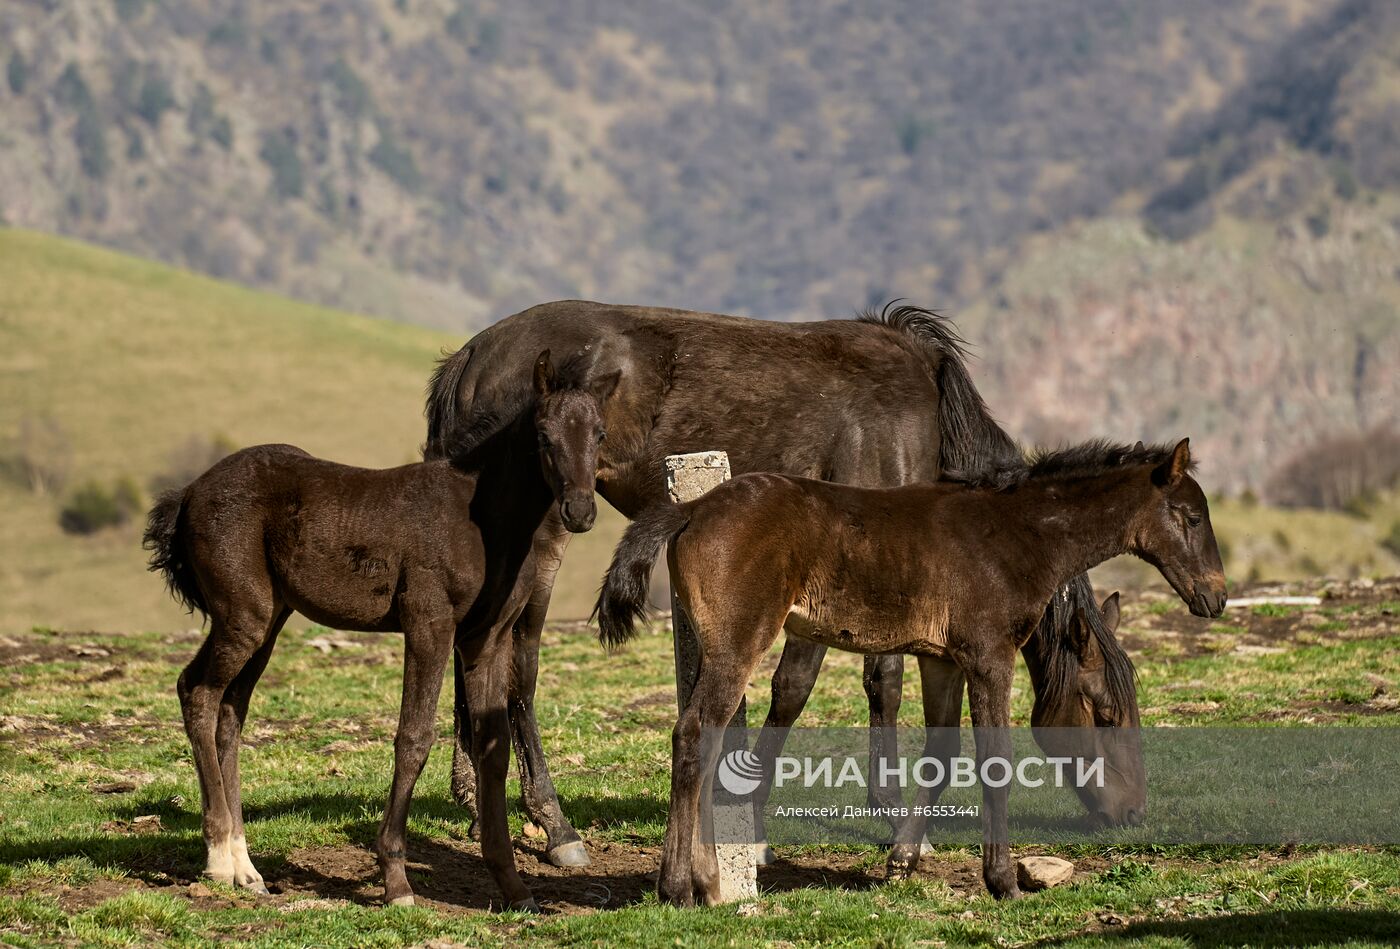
x=131 y=359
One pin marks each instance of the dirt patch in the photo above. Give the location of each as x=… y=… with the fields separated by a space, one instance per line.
x=105 y=649
x=76 y=735
x=1350 y=610
x=450 y=875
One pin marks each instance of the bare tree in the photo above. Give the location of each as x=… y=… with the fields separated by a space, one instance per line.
x=1336 y=472
x=40 y=457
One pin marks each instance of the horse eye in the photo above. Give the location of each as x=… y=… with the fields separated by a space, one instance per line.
x=1193 y=519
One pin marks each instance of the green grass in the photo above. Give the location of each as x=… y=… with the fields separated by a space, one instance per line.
x=316 y=763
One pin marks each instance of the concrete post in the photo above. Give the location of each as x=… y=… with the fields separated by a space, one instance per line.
x=687 y=478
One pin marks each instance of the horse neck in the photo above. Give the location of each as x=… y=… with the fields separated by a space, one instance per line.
x=508 y=475
x=1078 y=523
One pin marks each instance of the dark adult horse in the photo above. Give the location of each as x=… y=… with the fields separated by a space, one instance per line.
x=879 y=401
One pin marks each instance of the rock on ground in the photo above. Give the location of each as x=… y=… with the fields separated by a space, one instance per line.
x=1038 y=873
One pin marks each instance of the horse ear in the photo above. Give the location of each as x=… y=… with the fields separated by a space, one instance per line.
x=603 y=387
x=544 y=374
x=1111 y=613
x=1170 y=472
x=1079 y=632
x=1139 y=446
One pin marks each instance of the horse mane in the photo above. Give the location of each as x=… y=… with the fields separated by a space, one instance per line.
x=975 y=449
x=1085 y=460
x=1060 y=659
x=970 y=439
x=441 y=406
x=450 y=435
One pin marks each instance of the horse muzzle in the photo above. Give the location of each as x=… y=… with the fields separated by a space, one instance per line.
x=578 y=513
x=1208 y=602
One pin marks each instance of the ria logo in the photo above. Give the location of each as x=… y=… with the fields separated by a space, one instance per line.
x=740 y=772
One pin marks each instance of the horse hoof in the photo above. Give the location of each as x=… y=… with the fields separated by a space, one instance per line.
x=257 y=889
x=526 y=906
x=402 y=900
x=925 y=848
x=764 y=856
x=571 y=854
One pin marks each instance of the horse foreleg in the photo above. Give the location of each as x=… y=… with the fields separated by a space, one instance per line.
x=989 y=694
x=942 y=686
x=792 y=686
x=487 y=680
x=563 y=846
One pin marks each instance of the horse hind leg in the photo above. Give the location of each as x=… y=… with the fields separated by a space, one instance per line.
x=232 y=714
x=236 y=634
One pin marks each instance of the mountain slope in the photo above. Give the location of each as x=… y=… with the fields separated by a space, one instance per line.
x=1254 y=302
x=450 y=161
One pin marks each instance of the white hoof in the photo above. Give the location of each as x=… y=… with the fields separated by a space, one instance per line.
x=764 y=856
x=245 y=875
x=402 y=900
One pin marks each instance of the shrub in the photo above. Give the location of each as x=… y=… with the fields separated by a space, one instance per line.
x=17 y=73
x=129 y=10
x=1391 y=541
x=205 y=121
x=154 y=99
x=91 y=139
x=279 y=152
x=395 y=161
x=911 y=133
x=93 y=508
x=222 y=132
x=353 y=94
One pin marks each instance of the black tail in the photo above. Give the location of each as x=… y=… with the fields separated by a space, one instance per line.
x=442 y=405
x=162 y=538
x=623 y=599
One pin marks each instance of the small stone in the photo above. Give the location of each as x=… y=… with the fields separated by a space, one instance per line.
x=1039 y=873
x=1113 y=919
x=146 y=824
x=533 y=831
x=199 y=891
x=748 y=909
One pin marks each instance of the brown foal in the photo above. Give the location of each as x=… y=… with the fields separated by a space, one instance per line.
x=943 y=571
x=440 y=550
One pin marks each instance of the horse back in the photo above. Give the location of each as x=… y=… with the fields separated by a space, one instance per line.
x=340 y=544
x=837 y=399
x=860 y=569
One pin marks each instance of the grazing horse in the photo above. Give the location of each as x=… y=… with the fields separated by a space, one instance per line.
x=441 y=551
x=880 y=401
x=943 y=571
